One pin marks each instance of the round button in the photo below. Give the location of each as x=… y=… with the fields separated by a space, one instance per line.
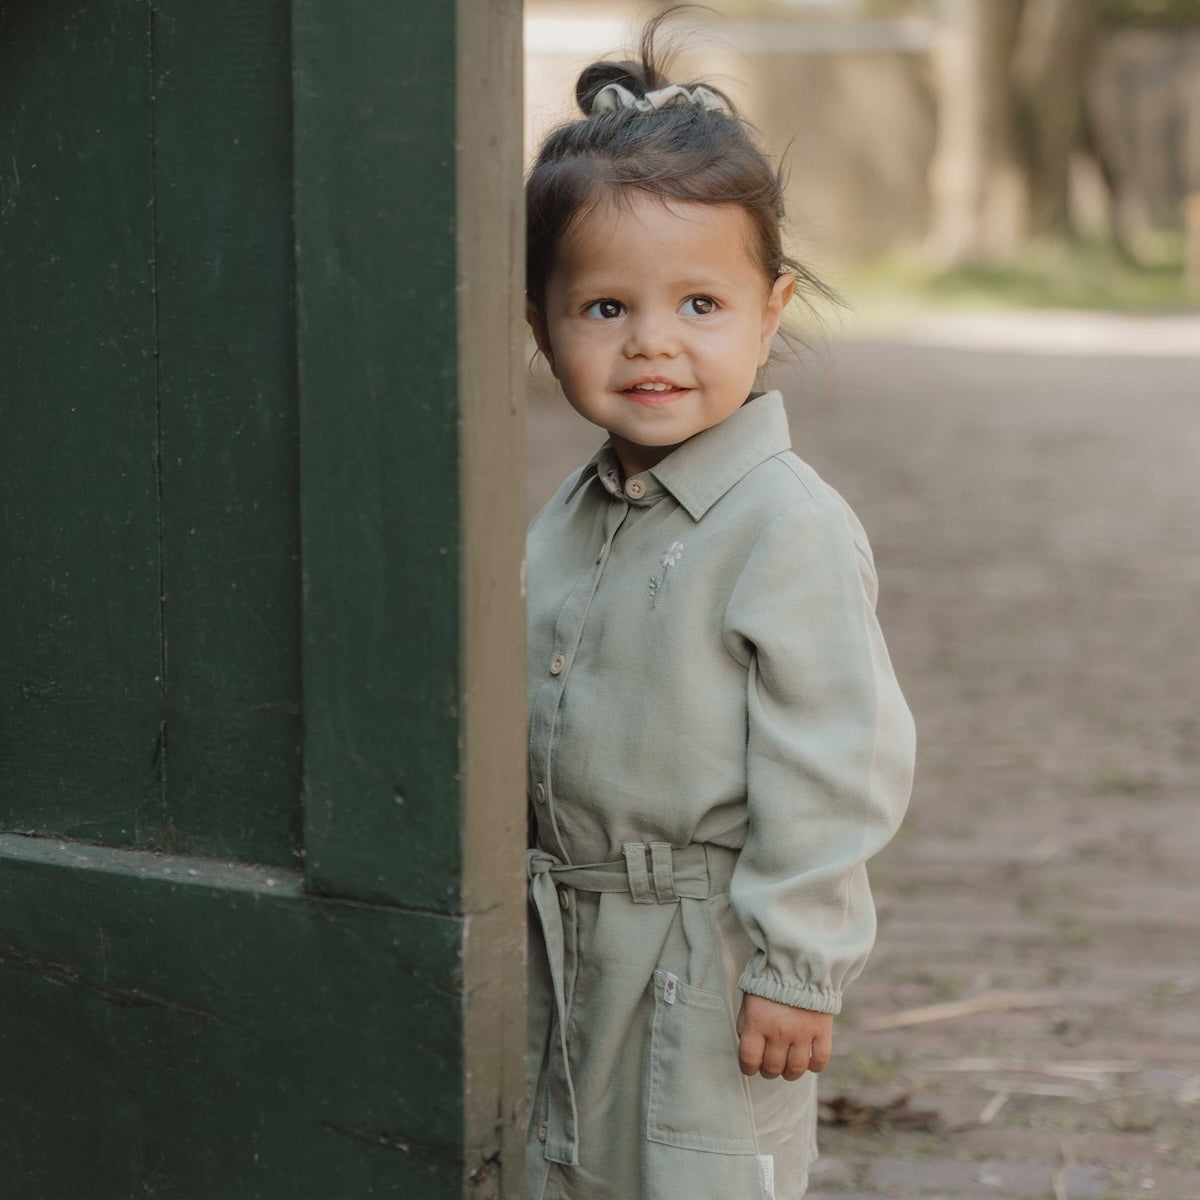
x=556 y=664
x=542 y=1131
x=539 y=794
x=564 y=898
x=635 y=489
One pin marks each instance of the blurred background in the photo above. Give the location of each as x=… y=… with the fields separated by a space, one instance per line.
x=1007 y=194
x=958 y=153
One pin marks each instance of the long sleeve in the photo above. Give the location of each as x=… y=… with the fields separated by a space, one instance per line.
x=830 y=747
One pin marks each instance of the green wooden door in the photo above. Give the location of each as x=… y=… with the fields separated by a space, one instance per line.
x=261 y=776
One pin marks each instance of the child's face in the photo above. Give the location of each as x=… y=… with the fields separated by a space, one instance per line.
x=656 y=320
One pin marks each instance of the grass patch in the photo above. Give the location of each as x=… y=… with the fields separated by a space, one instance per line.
x=1113 y=779
x=1044 y=275
x=1069 y=930
x=875 y=1070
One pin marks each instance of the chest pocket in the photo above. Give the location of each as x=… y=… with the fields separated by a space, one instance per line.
x=698 y=1099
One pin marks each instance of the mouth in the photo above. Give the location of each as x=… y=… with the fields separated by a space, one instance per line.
x=654 y=391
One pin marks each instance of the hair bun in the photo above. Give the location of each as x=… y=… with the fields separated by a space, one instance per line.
x=598 y=76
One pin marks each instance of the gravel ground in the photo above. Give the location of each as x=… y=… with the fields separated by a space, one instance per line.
x=1036 y=523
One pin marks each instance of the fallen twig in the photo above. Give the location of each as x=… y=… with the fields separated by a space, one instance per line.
x=1085 y=1070
x=1014 y=1087
x=953 y=1009
x=1063 y=1172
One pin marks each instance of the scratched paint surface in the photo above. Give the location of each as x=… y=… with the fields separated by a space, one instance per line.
x=285 y=1047
x=149 y=461
x=188 y=385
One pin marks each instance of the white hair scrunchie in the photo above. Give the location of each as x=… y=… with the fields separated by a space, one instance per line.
x=615 y=96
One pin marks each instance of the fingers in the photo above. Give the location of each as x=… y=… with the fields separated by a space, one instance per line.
x=822 y=1049
x=777 y=1040
x=797 y=1062
x=775 y=1058
x=772 y=1058
x=750 y=1052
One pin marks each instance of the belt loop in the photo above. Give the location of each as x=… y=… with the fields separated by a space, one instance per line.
x=639 y=878
x=664 y=873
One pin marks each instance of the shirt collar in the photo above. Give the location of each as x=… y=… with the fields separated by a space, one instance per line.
x=706 y=466
x=700 y=471
x=601 y=466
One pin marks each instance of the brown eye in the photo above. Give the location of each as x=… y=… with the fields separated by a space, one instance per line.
x=699 y=306
x=605 y=309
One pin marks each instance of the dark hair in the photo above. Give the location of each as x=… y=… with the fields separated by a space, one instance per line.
x=682 y=152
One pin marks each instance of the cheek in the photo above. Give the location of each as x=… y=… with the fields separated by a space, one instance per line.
x=746 y=346
x=579 y=356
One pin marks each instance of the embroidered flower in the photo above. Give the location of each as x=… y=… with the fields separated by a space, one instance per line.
x=658 y=582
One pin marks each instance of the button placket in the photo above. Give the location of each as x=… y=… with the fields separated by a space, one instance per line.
x=568 y=631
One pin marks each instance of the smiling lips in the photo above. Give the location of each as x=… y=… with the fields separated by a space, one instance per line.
x=653 y=391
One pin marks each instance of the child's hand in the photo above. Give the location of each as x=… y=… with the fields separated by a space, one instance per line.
x=777 y=1039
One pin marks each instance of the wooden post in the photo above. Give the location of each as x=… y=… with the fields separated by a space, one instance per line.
x=261 y=697
x=1191 y=233
x=491 y=397
x=408 y=244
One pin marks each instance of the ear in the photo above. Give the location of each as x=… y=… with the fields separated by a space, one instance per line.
x=541 y=334
x=781 y=293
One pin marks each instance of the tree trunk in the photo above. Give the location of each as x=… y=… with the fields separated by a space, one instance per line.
x=1049 y=74
x=978 y=180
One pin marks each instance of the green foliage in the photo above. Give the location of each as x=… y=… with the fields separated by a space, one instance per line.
x=1081 y=275
x=1137 y=12
x=1150 y=12
x=1118 y=12
x=898 y=8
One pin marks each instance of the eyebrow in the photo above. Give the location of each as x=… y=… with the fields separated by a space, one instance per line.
x=609 y=287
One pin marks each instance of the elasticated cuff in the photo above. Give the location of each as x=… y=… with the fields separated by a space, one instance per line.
x=797 y=995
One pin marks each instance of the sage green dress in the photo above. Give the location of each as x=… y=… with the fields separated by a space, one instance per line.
x=717 y=743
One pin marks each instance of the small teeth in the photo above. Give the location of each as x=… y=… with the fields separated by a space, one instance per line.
x=653 y=387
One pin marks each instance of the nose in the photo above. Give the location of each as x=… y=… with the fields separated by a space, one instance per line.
x=651 y=334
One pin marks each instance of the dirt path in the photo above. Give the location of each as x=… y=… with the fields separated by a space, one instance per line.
x=1036 y=521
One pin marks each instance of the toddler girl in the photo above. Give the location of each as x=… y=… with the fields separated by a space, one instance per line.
x=716 y=740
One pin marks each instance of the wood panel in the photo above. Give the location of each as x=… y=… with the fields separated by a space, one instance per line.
x=200 y=1026
x=491 y=320
x=80 y=665
x=230 y=460
x=192 y=1030
x=378 y=361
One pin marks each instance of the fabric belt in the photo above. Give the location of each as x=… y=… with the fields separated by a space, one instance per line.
x=651 y=874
